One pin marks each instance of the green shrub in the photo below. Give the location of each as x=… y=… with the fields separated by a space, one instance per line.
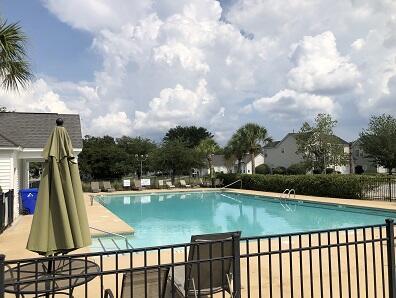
x=333 y=185
x=279 y=171
x=297 y=169
x=263 y=169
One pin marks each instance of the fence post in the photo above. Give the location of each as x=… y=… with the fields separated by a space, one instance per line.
x=2 y=258
x=236 y=266
x=390 y=248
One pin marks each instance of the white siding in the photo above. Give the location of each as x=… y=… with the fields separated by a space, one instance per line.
x=5 y=171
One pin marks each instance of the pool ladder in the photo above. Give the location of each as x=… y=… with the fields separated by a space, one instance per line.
x=127 y=244
x=284 y=199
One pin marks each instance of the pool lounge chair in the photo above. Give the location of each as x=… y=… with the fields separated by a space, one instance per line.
x=214 y=277
x=161 y=184
x=183 y=184
x=169 y=184
x=95 y=186
x=203 y=183
x=107 y=186
x=219 y=183
x=134 y=287
x=136 y=184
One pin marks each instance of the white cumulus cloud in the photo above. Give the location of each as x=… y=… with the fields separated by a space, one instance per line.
x=319 y=67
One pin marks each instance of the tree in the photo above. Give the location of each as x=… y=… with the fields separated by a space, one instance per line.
x=190 y=135
x=253 y=138
x=235 y=149
x=319 y=146
x=137 y=146
x=207 y=148
x=379 y=141
x=14 y=66
x=176 y=158
x=101 y=158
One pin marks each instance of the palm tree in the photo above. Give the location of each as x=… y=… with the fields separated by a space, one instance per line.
x=14 y=67
x=253 y=137
x=208 y=147
x=235 y=148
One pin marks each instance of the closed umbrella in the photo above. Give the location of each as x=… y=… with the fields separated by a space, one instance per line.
x=60 y=221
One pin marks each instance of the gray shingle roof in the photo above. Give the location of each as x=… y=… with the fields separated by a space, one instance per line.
x=31 y=130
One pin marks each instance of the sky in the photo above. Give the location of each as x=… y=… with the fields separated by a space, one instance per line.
x=140 y=67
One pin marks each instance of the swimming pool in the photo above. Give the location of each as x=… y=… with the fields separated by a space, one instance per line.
x=168 y=218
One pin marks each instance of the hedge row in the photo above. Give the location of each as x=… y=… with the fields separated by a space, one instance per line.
x=333 y=185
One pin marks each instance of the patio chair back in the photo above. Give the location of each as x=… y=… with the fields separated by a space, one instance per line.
x=95 y=186
x=107 y=185
x=160 y=183
x=210 y=277
x=183 y=183
x=136 y=284
x=136 y=183
x=169 y=184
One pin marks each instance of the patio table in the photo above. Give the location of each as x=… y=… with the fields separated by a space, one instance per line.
x=36 y=278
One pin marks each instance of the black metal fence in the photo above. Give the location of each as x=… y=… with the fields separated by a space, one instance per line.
x=347 y=262
x=6 y=209
x=379 y=188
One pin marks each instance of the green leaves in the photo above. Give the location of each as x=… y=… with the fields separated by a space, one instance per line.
x=190 y=135
x=379 y=141
x=14 y=66
x=319 y=146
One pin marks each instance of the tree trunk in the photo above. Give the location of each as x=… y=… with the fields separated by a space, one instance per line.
x=239 y=165
x=253 y=163
x=211 y=172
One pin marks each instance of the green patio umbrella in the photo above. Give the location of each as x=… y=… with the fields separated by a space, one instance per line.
x=60 y=221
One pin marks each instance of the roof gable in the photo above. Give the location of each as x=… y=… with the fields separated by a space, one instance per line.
x=31 y=130
x=293 y=134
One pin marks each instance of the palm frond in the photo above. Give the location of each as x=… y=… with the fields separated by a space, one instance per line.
x=14 y=66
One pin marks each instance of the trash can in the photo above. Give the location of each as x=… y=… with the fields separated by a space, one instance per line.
x=28 y=198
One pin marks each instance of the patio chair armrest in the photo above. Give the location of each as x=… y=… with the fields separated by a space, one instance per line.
x=108 y=294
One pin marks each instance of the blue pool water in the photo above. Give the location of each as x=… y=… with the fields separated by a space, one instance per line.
x=169 y=218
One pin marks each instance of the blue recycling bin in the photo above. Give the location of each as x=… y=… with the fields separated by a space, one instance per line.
x=28 y=198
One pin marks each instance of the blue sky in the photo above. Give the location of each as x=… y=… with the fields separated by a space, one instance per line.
x=56 y=49
x=140 y=67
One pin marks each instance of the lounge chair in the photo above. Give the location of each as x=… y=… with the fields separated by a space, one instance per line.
x=107 y=186
x=218 y=183
x=214 y=276
x=161 y=184
x=95 y=186
x=203 y=183
x=155 y=280
x=183 y=184
x=169 y=184
x=136 y=184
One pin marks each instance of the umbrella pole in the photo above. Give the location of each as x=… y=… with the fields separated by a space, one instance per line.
x=49 y=271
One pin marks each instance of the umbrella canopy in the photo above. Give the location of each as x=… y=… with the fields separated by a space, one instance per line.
x=60 y=222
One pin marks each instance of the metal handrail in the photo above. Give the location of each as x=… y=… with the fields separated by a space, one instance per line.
x=239 y=180
x=128 y=245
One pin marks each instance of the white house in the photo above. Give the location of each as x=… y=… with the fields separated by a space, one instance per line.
x=22 y=139
x=246 y=165
x=283 y=153
x=222 y=165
